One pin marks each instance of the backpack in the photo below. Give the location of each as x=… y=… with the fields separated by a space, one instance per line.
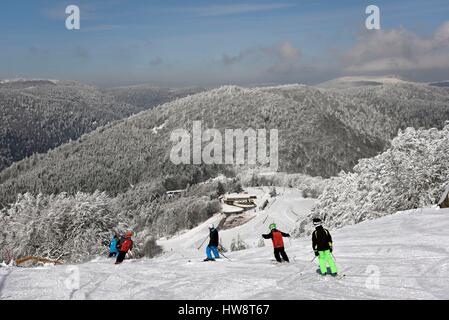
x=126 y=245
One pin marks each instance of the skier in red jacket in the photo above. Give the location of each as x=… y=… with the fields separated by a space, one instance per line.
x=124 y=247
x=278 y=242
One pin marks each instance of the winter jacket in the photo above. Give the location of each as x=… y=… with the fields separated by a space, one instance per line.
x=276 y=236
x=126 y=245
x=321 y=240
x=113 y=245
x=213 y=235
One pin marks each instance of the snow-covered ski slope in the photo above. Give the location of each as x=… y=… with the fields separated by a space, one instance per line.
x=285 y=210
x=402 y=256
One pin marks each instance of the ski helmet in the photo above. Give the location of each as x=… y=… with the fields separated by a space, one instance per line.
x=211 y=226
x=317 y=222
x=272 y=226
x=128 y=234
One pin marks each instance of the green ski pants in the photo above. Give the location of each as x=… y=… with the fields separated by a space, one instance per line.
x=325 y=258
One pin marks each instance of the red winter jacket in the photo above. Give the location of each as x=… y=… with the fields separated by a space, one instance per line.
x=126 y=245
x=276 y=236
x=277 y=240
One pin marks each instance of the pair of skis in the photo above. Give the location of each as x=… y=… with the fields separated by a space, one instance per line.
x=318 y=273
x=221 y=253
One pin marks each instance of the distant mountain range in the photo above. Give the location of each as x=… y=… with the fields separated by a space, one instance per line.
x=321 y=132
x=361 y=81
x=440 y=84
x=145 y=96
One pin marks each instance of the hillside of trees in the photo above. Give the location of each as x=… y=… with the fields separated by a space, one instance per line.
x=73 y=227
x=36 y=116
x=321 y=132
x=40 y=115
x=313 y=140
x=412 y=173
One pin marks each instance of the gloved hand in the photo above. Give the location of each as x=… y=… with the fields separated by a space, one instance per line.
x=331 y=249
x=288 y=235
x=316 y=254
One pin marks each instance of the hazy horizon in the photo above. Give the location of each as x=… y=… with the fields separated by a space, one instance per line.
x=203 y=43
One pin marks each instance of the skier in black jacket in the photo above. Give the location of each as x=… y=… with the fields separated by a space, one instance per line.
x=213 y=244
x=322 y=246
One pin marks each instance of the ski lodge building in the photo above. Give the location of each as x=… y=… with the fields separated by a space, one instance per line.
x=237 y=203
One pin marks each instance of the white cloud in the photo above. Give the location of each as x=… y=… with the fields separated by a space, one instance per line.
x=284 y=52
x=398 y=49
x=288 y=52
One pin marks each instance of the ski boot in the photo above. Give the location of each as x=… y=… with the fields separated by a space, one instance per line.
x=319 y=272
x=207 y=259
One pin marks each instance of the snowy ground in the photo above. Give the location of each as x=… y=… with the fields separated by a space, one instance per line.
x=403 y=256
x=285 y=210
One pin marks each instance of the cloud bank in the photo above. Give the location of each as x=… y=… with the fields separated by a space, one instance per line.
x=283 y=52
x=398 y=49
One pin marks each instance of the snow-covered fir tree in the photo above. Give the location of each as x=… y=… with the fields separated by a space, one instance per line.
x=412 y=173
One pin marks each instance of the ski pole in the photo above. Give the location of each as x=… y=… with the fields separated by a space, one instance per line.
x=313 y=259
x=203 y=243
x=333 y=257
x=224 y=255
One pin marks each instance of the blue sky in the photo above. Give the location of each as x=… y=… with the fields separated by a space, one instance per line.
x=181 y=43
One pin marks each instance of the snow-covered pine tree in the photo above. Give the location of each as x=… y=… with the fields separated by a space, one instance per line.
x=412 y=173
x=63 y=226
x=238 y=244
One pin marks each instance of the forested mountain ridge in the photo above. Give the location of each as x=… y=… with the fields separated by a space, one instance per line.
x=38 y=115
x=313 y=140
x=321 y=132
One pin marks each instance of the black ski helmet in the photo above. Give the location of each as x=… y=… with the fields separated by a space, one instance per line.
x=317 y=222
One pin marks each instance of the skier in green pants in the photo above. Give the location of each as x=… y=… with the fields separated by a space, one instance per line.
x=322 y=246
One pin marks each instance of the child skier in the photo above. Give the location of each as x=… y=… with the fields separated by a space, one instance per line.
x=113 y=251
x=213 y=244
x=322 y=246
x=124 y=247
x=278 y=243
